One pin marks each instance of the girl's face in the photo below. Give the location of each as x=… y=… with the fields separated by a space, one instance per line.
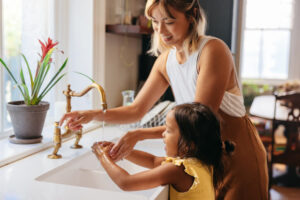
x=171 y=135
x=171 y=31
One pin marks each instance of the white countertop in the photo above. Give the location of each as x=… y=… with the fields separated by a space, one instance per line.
x=11 y=152
x=17 y=180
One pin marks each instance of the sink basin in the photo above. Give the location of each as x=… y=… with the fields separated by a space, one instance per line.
x=86 y=171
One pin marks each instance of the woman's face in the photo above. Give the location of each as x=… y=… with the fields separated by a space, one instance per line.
x=172 y=31
x=171 y=135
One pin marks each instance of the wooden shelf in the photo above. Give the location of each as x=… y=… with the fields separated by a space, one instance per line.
x=128 y=29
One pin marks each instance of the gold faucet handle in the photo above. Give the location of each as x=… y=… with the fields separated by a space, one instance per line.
x=57 y=142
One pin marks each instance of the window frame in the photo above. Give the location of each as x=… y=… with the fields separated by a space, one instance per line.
x=292 y=68
x=3 y=133
x=1 y=75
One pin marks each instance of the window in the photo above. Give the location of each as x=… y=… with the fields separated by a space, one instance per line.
x=267 y=39
x=23 y=23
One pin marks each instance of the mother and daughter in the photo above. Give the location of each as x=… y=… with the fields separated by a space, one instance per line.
x=199 y=69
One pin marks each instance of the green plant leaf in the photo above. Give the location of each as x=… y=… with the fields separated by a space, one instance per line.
x=27 y=97
x=45 y=74
x=29 y=71
x=53 y=84
x=38 y=82
x=46 y=66
x=12 y=76
x=86 y=76
x=26 y=91
x=54 y=77
x=34 y=81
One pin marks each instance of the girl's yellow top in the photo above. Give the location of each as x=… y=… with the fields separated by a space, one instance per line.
x=202 y=187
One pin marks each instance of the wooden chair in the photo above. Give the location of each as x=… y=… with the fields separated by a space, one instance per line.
x=291 y=155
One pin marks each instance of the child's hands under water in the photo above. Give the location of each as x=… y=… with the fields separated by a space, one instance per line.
x=102 y=148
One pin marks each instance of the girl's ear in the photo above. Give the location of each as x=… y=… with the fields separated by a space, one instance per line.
x=182 y=150
x=186 y=150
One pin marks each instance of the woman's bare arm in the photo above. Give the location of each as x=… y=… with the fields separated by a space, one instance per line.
x=216 y=65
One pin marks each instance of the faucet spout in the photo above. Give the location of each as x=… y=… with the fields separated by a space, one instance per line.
x=86 y=90
x=102 y=95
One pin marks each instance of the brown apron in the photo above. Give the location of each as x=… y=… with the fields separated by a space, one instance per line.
x=246 y=172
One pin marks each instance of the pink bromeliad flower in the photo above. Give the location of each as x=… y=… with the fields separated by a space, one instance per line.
x=45 y=49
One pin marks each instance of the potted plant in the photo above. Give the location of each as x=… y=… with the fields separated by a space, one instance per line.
x=28 y=115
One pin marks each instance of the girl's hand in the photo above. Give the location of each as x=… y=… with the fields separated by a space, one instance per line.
x=124 y=146
x=75 y=119
x=102 y=148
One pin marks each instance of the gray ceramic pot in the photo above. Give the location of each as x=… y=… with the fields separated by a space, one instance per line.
x=27 y=121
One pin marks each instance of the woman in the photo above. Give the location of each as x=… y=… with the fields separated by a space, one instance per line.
x=200 y=69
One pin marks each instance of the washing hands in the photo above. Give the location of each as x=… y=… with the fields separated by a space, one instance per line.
x=101 y=149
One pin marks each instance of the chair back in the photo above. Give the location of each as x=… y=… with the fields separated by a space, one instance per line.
x=291 y=100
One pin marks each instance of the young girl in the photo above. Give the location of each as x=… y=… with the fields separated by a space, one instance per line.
x=194 y=148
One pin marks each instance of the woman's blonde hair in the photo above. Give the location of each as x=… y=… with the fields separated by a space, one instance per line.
x=193 y=12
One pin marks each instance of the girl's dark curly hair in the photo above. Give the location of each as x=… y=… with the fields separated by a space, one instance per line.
x=201 y=138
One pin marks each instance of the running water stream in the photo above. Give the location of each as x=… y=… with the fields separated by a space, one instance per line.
x=102 y=138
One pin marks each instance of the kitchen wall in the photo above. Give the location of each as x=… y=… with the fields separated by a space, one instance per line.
x=121 y=66
x=121 y=53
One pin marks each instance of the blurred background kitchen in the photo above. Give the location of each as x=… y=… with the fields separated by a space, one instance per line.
x=108 y=40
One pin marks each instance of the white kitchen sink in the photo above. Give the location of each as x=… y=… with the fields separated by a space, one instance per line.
x=86 y=171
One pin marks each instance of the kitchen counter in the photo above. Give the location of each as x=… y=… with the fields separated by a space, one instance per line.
x=18 y=180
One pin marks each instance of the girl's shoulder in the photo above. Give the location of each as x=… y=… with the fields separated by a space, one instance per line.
x=192 y=166
x=182 y=161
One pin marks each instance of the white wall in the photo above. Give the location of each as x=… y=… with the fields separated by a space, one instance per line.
x=74 y=31
x=81 y=49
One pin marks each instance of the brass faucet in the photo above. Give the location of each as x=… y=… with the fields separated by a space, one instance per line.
x=57 y=131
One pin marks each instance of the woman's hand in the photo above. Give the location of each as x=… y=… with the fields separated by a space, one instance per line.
x=102 y=148
x=75 y=119
x=124 y=146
